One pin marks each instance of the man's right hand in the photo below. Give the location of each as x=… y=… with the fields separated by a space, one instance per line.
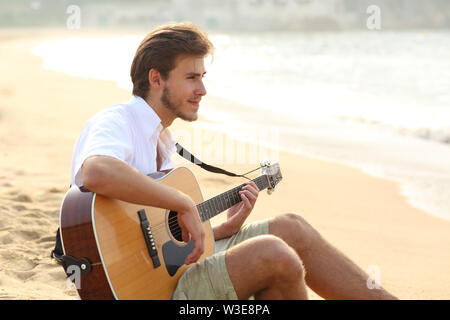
x=191 y=227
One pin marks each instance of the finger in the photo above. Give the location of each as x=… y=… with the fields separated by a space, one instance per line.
x=197 y=252
x=246 y=201
x=252 y=188
x=250 y=196
x=184 y=232
x=254 y=192
x=185 y=235
x=199 y=238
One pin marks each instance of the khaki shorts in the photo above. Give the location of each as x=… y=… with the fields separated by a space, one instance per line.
x=208 y=279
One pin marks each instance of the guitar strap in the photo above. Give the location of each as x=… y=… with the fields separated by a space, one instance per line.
x=190 y=157
x=58 y=254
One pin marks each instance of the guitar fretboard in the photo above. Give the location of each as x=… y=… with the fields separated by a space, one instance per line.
x=212 y=207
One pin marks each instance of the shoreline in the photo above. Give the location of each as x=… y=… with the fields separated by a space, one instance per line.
x=410 y=190
x=359 y=214
x=380 y=152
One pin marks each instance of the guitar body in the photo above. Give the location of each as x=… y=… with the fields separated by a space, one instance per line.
x=109 y=234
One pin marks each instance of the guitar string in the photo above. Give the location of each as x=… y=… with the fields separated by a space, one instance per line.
x=173 y=221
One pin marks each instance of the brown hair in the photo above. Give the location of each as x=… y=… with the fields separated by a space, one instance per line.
x=161 y=47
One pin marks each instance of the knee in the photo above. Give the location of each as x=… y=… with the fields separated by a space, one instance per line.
x=281 y=259
x=295 y=230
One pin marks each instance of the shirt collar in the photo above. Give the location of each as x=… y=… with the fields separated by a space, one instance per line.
x=146 y=117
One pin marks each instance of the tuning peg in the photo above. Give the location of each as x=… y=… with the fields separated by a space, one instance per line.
x=265 y=163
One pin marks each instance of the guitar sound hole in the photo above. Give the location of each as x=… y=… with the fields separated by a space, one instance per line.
x=174 y=228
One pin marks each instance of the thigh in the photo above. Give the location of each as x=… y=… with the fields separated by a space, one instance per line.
x=208 y=279
x=248 y=231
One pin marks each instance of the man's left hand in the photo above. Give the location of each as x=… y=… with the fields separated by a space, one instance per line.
x=238 y=213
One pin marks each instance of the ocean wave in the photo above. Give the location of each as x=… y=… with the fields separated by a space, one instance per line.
x=441 y=135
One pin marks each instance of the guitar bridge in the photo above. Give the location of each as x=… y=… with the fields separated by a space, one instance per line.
x=150 y=242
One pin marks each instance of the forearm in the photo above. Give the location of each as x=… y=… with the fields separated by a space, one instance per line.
x=115 y=179
x=222 y=231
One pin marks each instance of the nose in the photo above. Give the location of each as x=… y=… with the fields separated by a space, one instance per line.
x=201 y=89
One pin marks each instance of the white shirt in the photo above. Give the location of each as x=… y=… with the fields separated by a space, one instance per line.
x=130 y=132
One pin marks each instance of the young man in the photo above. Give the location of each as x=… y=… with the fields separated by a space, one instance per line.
x=271 y=259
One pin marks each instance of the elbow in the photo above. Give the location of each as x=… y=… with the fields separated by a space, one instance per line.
x=93 y=174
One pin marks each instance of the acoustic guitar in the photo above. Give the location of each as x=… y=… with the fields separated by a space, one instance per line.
x=129 y=251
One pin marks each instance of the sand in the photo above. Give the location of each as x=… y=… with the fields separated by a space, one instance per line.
x=41 y=115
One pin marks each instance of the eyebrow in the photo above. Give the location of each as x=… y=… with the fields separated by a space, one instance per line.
x=193 y=74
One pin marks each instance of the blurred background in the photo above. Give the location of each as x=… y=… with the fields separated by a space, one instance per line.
x=230 y=15
x=361 y=82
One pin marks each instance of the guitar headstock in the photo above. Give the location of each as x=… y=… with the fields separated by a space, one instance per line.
x=273 y=173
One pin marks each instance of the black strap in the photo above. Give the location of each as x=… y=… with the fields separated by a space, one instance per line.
x=57 y=252
x=190 y=157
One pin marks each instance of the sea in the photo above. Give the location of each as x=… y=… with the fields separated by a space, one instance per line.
x=374 y=100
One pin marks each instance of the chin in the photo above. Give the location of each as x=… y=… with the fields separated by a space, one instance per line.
x=194 y=117
x=188 y=117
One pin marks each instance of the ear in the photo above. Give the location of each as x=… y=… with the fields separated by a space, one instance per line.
x=154 y=78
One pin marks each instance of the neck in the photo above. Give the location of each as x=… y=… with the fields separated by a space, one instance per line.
x=166 y=116
x=212 y=207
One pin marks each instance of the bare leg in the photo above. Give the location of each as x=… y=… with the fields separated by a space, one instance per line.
x=266 y=267
x=328 y=271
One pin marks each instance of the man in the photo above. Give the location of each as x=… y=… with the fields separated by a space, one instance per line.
x=271 y=259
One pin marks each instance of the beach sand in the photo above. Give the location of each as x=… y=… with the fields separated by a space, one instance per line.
x=41 y=115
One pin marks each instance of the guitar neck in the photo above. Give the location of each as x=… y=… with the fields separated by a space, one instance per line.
x=212 y=207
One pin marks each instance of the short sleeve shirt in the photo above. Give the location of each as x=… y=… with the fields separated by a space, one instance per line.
x=131 y=132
